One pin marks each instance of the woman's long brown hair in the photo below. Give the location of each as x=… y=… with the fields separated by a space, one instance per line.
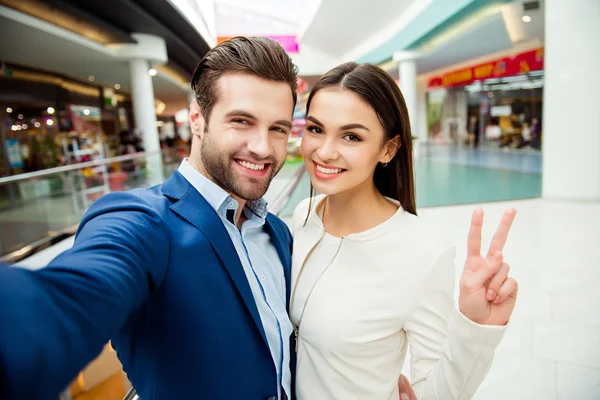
x=381 y=92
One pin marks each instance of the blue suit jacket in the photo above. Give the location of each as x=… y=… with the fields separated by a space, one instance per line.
x=155 y=271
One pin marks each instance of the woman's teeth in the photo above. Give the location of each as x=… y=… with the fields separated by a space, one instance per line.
x=328 y=170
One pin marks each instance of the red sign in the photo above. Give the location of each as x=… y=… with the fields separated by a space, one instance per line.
x=532 y=60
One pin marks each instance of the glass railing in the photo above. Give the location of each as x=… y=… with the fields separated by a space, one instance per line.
x=41 y=208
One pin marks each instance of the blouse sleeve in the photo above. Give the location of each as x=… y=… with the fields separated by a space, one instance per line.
x=450 y=354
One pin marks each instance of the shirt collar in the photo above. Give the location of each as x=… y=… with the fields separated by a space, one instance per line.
x=217 y=197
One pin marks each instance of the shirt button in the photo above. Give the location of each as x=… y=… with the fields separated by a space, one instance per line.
x=262 y=277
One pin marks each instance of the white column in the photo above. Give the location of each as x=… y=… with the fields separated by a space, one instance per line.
x=142 y=97
x=149 y=50
x=407 y=68
x=570 y=123
x=408 y=86
x=421 y=128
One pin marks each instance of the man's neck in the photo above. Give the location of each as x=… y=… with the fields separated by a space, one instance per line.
x=240 y=216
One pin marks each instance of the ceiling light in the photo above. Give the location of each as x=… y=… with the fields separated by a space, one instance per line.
x=50 y=110
x=86 y=112
x=152 y=72
x=49 y=122
x=37 y=124
x=526 y=18
x=20 y=116
x=8 y=110
x=117 y=86
x=91 y=78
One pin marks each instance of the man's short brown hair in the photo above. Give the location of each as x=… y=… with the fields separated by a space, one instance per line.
x=258 y=56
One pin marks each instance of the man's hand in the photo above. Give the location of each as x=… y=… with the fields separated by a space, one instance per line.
x=406 y=392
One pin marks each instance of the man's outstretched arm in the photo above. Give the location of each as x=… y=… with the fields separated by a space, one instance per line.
x=55 y=320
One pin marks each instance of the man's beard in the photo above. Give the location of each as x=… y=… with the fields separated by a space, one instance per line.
x=219 y=168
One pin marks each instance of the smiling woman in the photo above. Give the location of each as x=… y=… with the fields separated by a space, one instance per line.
x=347 y=139
x=370 y=278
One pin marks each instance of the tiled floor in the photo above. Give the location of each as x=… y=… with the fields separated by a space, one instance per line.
x=486 y=157
x=552 y=347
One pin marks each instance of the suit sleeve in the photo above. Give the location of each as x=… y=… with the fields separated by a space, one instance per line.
x=450 y=354
x=55 y=320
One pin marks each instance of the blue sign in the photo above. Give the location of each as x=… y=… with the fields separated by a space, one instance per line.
x=13 y=150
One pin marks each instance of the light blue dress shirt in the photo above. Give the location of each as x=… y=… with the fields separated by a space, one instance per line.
x=262 y=266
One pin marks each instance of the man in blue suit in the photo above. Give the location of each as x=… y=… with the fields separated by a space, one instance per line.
x=189 y=279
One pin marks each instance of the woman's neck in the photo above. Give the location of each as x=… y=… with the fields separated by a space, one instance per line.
x=356 y=210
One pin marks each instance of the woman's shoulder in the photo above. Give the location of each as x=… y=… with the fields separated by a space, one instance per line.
x=305 y=206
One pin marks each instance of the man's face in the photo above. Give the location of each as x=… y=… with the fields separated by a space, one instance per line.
x=244 y=144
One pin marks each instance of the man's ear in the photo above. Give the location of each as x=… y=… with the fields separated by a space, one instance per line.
x=196 y=119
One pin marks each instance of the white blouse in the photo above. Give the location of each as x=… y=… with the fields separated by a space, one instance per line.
x=360 y=301
x=315 y=266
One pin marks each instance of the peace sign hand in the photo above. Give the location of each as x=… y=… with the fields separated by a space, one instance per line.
x=487 y=295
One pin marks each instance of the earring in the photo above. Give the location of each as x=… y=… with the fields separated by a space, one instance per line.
x=384 y=164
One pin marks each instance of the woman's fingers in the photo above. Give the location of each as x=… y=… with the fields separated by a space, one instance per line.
x=509 y=288
x=501 y=235
x=496 y=282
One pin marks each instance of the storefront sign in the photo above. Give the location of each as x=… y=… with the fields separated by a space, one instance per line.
x=13 y=150
x=532 y=60
x=289 y=42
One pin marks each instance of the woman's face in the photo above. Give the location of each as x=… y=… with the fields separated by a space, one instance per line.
x=343 y=142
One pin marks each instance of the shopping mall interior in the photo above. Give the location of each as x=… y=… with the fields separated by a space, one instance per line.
x=95 y=98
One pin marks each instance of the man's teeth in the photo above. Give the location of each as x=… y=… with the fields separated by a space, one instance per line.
x=255 y=167
x=328 y=170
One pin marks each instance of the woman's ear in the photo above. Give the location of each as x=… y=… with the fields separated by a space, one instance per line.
x=390 y=149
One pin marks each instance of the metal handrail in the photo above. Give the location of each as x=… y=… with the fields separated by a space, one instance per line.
x=131 y=395
x=281 y=200
x=75 y=167
x=39 y=245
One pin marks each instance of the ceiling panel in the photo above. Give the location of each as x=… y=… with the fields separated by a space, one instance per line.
x=259 y=17
x=489 y=37
x=21 y=44
x=340 y=25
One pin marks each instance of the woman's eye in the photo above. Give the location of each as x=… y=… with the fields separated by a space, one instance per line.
x=315 y=129
x=353 y=138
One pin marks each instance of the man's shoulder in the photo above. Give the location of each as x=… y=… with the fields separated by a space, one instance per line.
x=140 y=196
x=134 y=205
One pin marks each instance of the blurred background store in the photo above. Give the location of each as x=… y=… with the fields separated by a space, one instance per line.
x=503 y=105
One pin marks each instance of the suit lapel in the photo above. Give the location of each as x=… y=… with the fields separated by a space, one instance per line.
x=284 y=250
x=192 y=207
